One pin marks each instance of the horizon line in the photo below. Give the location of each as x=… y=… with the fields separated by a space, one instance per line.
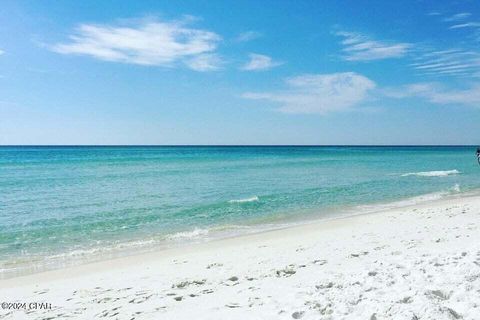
x=238 y=145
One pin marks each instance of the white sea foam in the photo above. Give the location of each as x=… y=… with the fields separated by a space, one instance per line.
x=195 y=233
x=106 y=249
x=252 y=199
x=412 y=200
x=402 y=203
x=456 y=188
x=432 y=173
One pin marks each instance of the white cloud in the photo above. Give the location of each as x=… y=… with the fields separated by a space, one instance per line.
x=260 y=62
x=319 y=93
x=205 y=62
x=248 y=36
x=425 y=59
x=439 y=94
x=459 y=21
x=458 y=16
x=146 y=42
x=358 y=47
x=466 y=25
x=1 y=52
x=450 y=62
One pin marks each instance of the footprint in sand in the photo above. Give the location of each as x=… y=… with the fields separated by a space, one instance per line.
x=214 y=265
x=357 y=255
x=232 y=305
x=232 y=281
x=326 y=285
x=287 y=272
x=406 y=300
x=207 y=291
x=438 y=294
x=453 y=313
x=184 y=284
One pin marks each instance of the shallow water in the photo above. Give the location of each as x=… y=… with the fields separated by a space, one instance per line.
x=62 y=205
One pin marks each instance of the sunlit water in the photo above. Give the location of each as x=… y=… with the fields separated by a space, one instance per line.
x=66 y=205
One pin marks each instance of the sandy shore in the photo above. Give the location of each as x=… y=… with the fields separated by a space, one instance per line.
x=417 y=262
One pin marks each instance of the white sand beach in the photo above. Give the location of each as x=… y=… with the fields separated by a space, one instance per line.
x=416 y=262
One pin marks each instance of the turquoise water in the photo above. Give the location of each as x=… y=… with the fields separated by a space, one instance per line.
x=62 y=205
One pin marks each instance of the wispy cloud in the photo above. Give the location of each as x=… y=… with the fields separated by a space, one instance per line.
x=458 y=21
x=205 y=62
x=248 y=36
x=458 y=17
x=358 y=47
x=260 y=62
x=146 y=42
x=424 y=59
x=439 y=94
x=466 y=25
x=319 y=93
x=461 y=21
x=450 y=62
x=1 y=52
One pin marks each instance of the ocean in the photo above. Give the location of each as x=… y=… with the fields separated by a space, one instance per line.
x=62 y=205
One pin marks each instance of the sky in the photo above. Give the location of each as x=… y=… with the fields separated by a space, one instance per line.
x=239 y=72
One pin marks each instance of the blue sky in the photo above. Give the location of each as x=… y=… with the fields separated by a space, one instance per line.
x=240 y=72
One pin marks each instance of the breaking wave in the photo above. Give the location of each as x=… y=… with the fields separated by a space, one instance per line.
x=432 y=173
x=197 y=232
x=252 y=199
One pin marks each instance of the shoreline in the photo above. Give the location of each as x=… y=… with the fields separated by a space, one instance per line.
x=257 y=229
x=291 y=223
x=305 y=224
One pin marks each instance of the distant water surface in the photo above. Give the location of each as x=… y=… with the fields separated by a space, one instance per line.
x=64 y=205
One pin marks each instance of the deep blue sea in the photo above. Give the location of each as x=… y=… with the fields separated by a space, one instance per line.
x=65 y=205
